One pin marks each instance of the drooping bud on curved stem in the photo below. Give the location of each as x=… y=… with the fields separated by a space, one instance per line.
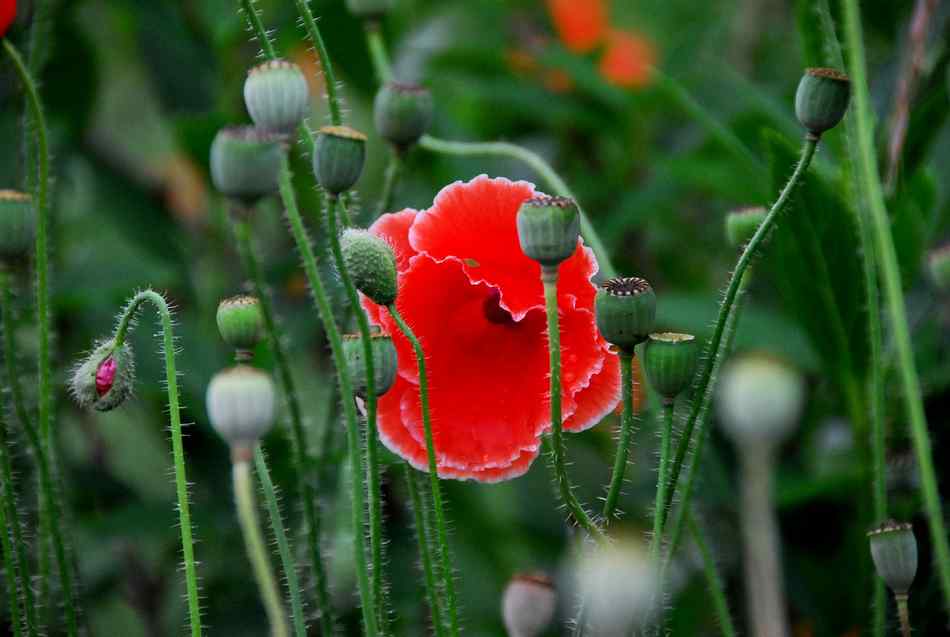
x=105 y=378
x=528 y=604
x=277 y=96
x=625 y=310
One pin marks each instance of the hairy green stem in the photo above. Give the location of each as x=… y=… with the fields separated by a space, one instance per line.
x=425 y=556
x=626 y=432
x=254 y=543
x=662 y=481
x=12 y=567
x=713 y=581
x=442 y=535
x=287 y=561
x=886 y=259
x=255 y=24
x=313 y=32
x=322 y=302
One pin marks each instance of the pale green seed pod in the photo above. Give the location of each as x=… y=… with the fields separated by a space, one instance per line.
x=385 y=362
x=938 y=263
x=528 y=604
x=245 y=163
x=104 y=379
x=241 y=403
x=241 y=322
x=402 y=113
x=338 y=158
x=369 y=9
x=759 y=399
x=741 y=224
x=670 y=362
x=894 y=551
x=17 y=225
x=277 y=96
x=371 y=264
x=548 y=229
x=822 y=99
x=625 y=310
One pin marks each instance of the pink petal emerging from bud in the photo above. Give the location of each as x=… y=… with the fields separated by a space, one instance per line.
x=105 y=376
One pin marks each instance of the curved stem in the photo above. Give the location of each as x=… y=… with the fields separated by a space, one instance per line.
x=302 y=461
x=903 y=613
x=626 y=431
x=566 y=491
x=422 y=539
x=662 y=481
x=713 y=581
x=287 y=561
x=178 y=449
x=313 y=32
x=256 y=549
x=322 y=302
x=442 y=536
x=886 y=258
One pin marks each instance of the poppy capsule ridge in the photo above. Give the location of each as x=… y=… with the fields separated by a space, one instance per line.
x=625 y=310
x=670 y=362
x=822 y=99
x=939 y=265
x=742 y=223
x=338 y=158
x=528 y=604
x=241 y=322
x=894 y=551
x=241 y=404
x=277 y=96
x=245 y=163
x=17 y=225
x=371 y=265
x=385 y=362
x=548 y=229
x=402 y=113
x=105 y=378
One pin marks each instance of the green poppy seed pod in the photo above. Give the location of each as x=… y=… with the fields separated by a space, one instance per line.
x=822 y=99
x=939 y=266
x=241 y=404
x=670 y=362
x=894 y=551
x=369 y=9
x=277 y=96
x=384 y=362
x=241 y=322
x=403 y=113
x=528 y=604
x=371 y=264
x=17 y=225
x=760 y=399
x=625 y=310
x=548 y=228
x=741 y=224
x=338 y=158
x=104 y=379
x=245 y=163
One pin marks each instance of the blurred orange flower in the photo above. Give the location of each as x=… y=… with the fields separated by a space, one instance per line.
x=628 y=59
x=581 y=24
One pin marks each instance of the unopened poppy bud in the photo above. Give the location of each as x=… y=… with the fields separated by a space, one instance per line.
x=760 y=399
x=625 y=310
x=104 y=379
x=670 y=362
x=528 y=604
x=338 y=158
x=384 y=362
x=277 y=96
x=17 y=225
x=822 y=99
x=371 y=264
x=241 y=404
x=894 y=551
x=368 y=9
x=403 y=113
x=741 y=224
x=241 y=322
x=245 y=163
x=939 y=264
x=548 y=228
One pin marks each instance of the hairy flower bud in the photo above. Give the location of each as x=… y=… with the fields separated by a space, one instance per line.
x=625 y=310
x=670 y=362
x=338 y=158
x=939 y=265
x=241 y=404
x=528 y=604
x=241 y=322
x=17 y=225
x=277 y=96
x=548 y=229
x=245 y=163
x=822 y=99
x=371 y=264
x=385 y=362
x=894 y=551
x=104 y=379
x=369 y=9
x=403 y=113
x=760 y=399
x=741 y=224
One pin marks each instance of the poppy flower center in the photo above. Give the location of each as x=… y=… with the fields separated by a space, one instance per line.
x=105 y=376
x=494 y=312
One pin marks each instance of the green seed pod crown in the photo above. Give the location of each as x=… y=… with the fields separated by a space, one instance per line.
x=371 y=264
x=939 y=265
x=338 y=158
x=741 y=224
x=625 y=310
x=241 y=404
x=548 y=228
x=241 y=322
x=17 y=225
x=759 y=399
x=894 y=551
x=402 y=113
x=104 y=379
x=277 y=96
x=670 y=362
x=245 y=163
x=369 y=8
x=822 y=99
x=384 y=362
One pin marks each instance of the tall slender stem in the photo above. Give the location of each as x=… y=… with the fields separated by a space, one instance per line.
x=389 y=183
x=255 y=24
x=442 y=536
x=562 y=480
x=256 y=549
x=377 y=51
x=713 y=581
x=662 y=480
x=302 y=461
x=313 y=32
x=626 y=431
x=886 y=259
x=422 y=539
x=322 y=302
x=12 y=567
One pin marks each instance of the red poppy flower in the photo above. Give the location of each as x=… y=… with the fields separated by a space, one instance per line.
x=628 y=60
x=7 y=15
x=581 y=24
x=477 y=305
